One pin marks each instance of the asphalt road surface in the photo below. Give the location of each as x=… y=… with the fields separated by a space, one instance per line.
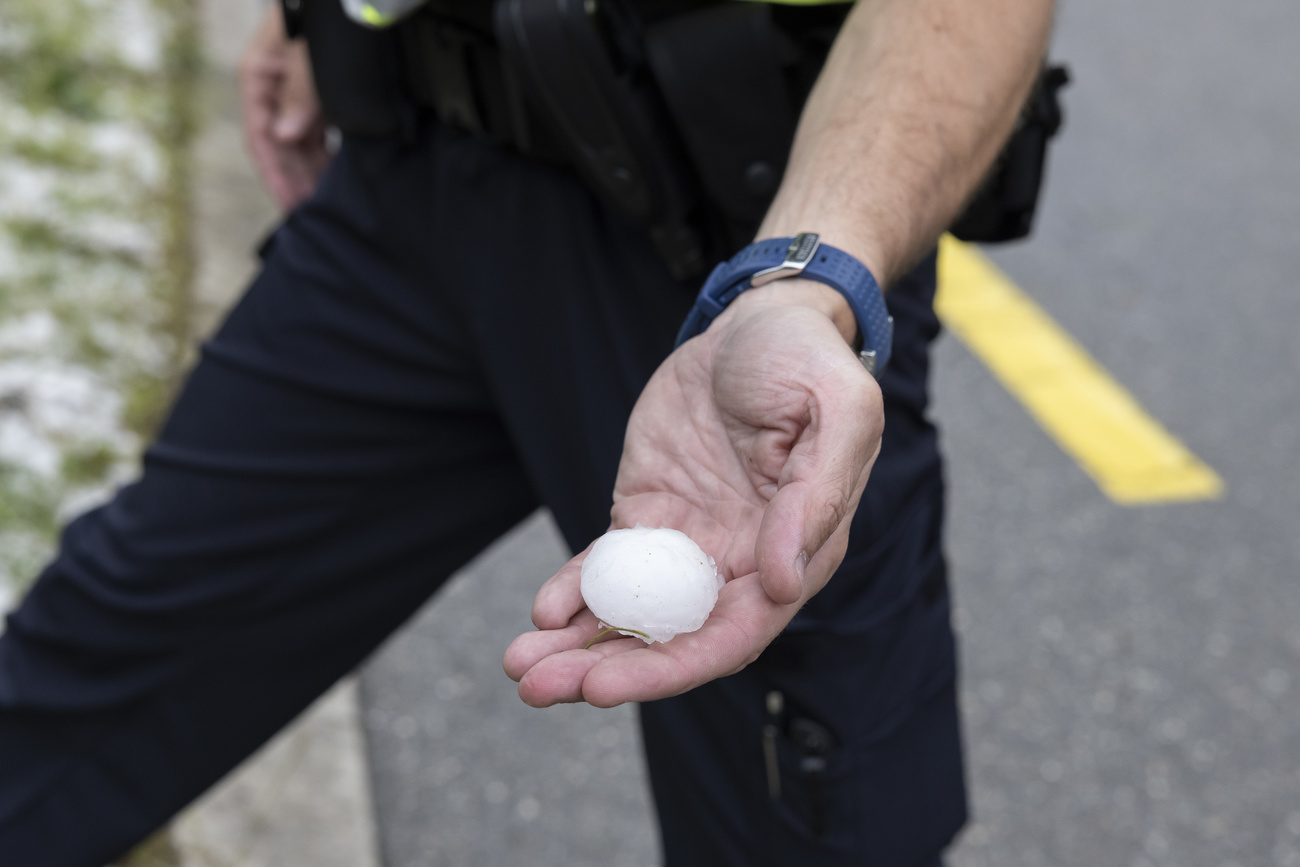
x=1130 y=686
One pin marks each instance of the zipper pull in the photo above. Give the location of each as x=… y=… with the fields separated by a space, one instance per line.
x=814 y=742
x=771 y=730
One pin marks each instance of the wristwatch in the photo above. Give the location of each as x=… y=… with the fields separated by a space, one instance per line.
x=805 y=256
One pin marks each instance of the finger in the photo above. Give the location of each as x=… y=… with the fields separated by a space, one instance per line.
x=650 y=673
x=532 y=647
x=625 y=669
x=260 y=80
x=560 y=598
x=299 y=109
x=260 y=71
x=741 y=626
x=559 y=677
x=819 y=489
x=257 y=99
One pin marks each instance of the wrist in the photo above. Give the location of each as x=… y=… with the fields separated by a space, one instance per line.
x=867 y=247
x=802 y=256
x=800 y=292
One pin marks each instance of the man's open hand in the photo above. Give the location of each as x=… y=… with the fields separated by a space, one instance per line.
x=755 y=439
x=282 y=115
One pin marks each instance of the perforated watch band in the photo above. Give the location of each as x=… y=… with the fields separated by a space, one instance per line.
x=801 y=256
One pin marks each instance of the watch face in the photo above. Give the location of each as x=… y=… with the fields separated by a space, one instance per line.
x=802 y=248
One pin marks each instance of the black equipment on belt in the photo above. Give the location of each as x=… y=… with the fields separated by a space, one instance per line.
x=1003 y=208
x=679 y=114
x=595 y=96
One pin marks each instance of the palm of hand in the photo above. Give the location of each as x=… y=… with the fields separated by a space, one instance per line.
x=755 y=440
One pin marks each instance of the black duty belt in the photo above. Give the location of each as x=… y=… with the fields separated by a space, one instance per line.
x=679 y=114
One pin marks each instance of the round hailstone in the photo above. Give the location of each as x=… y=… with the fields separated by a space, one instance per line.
x=651 y=580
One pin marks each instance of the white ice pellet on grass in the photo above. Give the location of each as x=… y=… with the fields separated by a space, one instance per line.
x=655 y=581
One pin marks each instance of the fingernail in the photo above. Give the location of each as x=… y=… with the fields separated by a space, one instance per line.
x=801 y=567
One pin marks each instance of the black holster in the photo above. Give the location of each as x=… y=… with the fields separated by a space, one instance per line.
x=580 y=63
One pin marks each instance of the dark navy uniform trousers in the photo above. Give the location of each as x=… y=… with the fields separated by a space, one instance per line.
x=442 y=339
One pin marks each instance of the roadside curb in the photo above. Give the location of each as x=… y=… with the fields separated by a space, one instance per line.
x=304 y=798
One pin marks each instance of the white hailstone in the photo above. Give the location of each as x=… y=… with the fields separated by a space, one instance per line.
x=654 y=581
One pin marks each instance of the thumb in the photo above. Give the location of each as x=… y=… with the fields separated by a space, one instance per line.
x=804 y=532
x=792 y=551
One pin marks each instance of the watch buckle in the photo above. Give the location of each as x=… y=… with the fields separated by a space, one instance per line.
x=868 y=357
x=803 y=247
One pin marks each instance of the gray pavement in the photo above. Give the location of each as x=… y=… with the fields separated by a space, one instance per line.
x=466 y=774
x=1130 y=674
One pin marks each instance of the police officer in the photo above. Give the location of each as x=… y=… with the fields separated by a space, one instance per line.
x=446 y=334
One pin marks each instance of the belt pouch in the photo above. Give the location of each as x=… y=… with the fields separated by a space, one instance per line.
x=1003 y=208
x=357 y=72
x=721 y=70
x=604 y=114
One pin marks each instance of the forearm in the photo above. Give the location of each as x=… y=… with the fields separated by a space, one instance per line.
x=914 y=103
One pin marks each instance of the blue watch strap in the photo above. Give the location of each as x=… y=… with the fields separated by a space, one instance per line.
x=801 y=256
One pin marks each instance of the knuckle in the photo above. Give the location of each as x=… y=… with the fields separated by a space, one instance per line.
x=829 y=509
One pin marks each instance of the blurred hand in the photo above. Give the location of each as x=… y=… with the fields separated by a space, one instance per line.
x=755 y=439
x=282 y=116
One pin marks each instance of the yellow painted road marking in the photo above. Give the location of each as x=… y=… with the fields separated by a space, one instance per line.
x=1093 y=418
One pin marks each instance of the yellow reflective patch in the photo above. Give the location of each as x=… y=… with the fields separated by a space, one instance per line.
x=1093 y=418
x=374 y=17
